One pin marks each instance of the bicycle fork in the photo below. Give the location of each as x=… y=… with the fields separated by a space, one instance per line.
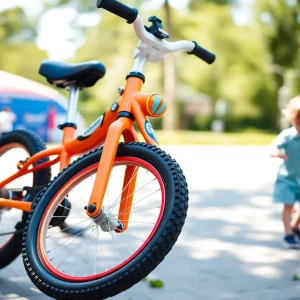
x=123 y=126
x=133 y=105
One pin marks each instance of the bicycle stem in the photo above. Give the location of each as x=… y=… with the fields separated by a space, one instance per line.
x=152 y=49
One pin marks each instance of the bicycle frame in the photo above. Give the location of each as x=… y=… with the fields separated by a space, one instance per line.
x=107 y=129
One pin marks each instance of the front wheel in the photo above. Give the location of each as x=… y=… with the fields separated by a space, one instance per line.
x=100 y=261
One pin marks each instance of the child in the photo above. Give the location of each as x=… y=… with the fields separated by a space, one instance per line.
x=287 y=187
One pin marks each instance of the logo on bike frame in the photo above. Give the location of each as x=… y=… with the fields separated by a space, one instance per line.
x=150 y=131
x=92 y=128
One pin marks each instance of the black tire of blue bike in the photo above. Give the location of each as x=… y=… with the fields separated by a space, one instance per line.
x=155 y=251
x=32 y=144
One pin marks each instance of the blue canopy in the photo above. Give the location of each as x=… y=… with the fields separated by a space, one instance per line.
x=31 y=102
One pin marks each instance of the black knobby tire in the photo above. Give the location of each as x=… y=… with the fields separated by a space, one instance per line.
x=33 y=144
x=170 y=226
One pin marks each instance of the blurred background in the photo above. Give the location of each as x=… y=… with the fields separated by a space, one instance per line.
x=255 y=74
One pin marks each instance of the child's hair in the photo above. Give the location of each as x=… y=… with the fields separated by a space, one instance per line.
x=292 y=111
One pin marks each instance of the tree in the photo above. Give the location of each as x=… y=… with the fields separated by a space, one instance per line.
x=170 y=122
x=112 y=42
x=196 y=4
x=19 y=54
x=81 y=6
x=279 y=22
x=279 y=25
x=238 y=75
x=15 y=26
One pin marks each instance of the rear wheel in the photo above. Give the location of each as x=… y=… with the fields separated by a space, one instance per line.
x=101 y=261
x=17 y=146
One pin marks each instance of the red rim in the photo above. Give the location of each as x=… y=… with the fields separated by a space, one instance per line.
x=43 y=257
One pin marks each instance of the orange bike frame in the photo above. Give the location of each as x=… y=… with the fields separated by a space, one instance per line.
x=106 y=130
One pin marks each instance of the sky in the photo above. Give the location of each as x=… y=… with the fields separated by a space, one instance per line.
x=57 y=38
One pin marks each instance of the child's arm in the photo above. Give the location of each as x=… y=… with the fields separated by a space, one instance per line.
x=278 y=153
x=277 y=147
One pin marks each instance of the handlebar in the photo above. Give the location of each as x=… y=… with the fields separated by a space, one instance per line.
x=119 y=9
x=132 y=17
x=203 y=54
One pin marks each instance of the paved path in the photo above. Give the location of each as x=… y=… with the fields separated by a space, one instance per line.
x=230 y=245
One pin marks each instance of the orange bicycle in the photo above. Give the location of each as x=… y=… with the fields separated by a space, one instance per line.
x=130 y=198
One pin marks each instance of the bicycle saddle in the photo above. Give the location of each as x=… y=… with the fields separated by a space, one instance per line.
x=63 y=74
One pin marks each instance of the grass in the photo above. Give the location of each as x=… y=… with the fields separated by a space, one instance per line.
x=210 y=138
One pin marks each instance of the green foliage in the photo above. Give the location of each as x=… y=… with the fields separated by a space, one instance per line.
x=19 y=54
x=156 y=284
x=196 y=4
x=15 y=26
x=240 y=78
x=112 y=42
x=279 y=21
x=239 y=74
x=296 y=277
x=25 y=63
x=82 y=6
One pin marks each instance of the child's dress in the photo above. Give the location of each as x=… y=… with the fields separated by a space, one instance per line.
x=287 y=186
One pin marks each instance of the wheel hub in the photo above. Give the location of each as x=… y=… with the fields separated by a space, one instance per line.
x=107 y=221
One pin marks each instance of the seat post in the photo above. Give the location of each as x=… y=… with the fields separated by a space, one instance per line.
x=69 y=128
x=72 y=104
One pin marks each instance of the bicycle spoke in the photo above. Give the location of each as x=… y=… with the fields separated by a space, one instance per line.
x=146 y=209
x=124 y=210
x=96 y=253
x=87 y=251
x=70 y=252
x=72 y=237
x=135 y=172
x=71 y=217
x=132 y=193
x=68 y=227
x=99 y=240
x=129 y=221
x=65 y=207
x=11 y=232
x=137 y=191
x=113 y=240
x=108 y=200
x=78 y=196
x=82 y=257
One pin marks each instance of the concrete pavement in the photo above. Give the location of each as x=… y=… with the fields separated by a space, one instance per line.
x=230 y=245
